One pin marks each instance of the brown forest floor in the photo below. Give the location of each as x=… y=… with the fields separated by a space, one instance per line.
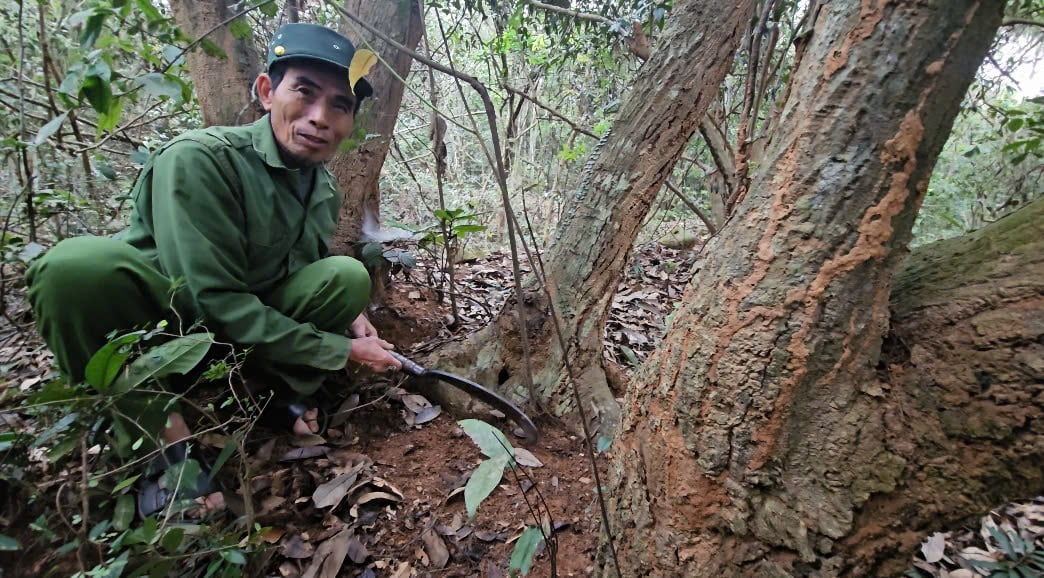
x=404 y=514
x=405 y=463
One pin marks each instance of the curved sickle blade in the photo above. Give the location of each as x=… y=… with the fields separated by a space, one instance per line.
x=473 y=389
x=493 y=399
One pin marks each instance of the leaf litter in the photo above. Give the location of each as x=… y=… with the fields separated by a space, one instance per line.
x=361 y=524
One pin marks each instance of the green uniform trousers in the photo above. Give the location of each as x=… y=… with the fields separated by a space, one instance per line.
x=87 y=287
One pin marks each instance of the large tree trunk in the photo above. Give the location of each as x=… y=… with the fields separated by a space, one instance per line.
x=759 y=439
x=661 y=113
x=358 y=170
x=223 y=85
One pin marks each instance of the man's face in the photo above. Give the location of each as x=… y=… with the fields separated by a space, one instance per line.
x=312 y=111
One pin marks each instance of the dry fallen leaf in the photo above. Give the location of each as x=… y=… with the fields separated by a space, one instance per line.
x=332 y=492
x=405 y=570
x=308 y=440
x=357 y=551
x=373 y=496
x=415 y=403
x=303 y=453
x=436 y=548
x=297 y=548
x=384 y=484
x=329 y=556
x=427 y=414
x=933 y=547
x=272 y=535
x=526 y=458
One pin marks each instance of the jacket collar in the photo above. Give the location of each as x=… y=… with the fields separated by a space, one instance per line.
x=265 y=143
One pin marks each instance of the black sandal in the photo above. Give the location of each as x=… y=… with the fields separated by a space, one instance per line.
x=154 y=494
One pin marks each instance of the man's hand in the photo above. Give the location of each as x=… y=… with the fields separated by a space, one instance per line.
x=373 y=353
x=362 y=327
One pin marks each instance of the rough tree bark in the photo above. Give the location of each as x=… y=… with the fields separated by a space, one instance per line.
x=761 y=439
x=359 y=169
x=223 y=86
x=663 y=110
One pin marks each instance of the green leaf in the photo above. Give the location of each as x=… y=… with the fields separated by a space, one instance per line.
x=489 y=439
x=525 y=549
x=52 y=392
x=105 y=365
x=172 y=539
x=97 y=92
x=53 y=431
x=462 y=230
x=240 y=28
x=30 y=252
x=631 y=356
x=92 y=29
x=182 y=475
x=125 y=483
x=270 y=9
x=402 y=257
x=7 y=440
x=235 y=557
x=110 y=118
x=371 y=253
x=107 y=171
x=483 y=481
x=63 y=447
x=174 y=357
x=1015 y=124
x=49 y=129
x=226 y=452
x=9 y=544
x=98 y=529
x=212 y=49
x=159 y=85
x=173 y=54
x=603 y=443
x=152 y=14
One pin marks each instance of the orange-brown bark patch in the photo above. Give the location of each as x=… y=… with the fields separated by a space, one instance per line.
x=870 y=14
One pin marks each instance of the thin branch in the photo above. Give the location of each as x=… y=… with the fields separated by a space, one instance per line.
x=1023 y=22
x=553 y=112
x=693 y=207
x=438 y=146
x=572 y=13
x=224 y=22
x=721 y=153
x=120 y=130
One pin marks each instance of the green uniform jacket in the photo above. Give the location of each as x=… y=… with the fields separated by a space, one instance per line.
x=216 y=210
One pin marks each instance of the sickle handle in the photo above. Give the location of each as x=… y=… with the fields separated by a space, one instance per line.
x=408 y=366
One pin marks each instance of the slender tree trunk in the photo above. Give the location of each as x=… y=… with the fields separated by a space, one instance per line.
x=760 y=438
x=359 y=169
x=223 y=85
x=662 y=112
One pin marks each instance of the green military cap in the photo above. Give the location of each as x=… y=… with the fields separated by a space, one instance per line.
x=311 y=41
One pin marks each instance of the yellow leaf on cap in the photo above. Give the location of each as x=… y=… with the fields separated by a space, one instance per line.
x=361 y=64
